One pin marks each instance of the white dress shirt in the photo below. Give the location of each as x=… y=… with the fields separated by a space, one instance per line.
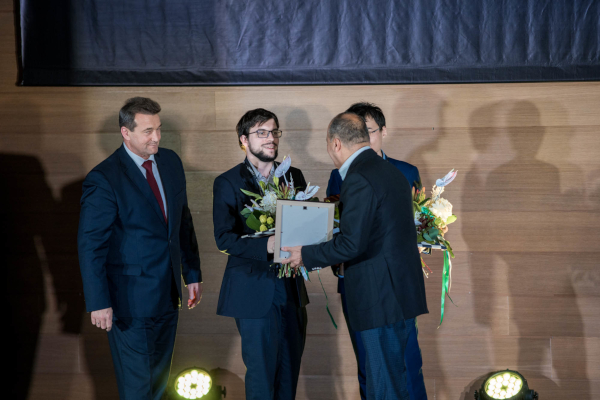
x=139 y=161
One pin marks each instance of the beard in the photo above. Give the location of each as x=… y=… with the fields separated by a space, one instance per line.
x=260 y=154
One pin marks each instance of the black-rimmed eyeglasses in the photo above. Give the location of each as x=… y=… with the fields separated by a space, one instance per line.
x=263 y=133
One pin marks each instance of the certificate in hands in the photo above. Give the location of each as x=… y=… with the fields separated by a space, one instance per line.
x=302 y=223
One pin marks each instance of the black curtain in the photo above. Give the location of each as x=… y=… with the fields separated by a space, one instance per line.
x=258 y=42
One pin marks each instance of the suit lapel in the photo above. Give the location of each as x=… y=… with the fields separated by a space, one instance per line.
x=135 y=175
x=168 y=183
x=248 y=178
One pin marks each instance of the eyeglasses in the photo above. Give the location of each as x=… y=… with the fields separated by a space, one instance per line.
x=371 y=132
x=262 y=133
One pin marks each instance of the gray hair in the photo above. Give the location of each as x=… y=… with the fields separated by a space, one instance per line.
x=350 y=128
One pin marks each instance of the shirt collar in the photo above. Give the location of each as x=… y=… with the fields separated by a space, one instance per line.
x=137 y=159
x=259 y=177
x=346 y=165
x=383 y=155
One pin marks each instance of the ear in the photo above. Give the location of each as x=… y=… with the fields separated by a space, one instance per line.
x=337 y=144
x=383 y=132
x=125 y=133
x=244 y=140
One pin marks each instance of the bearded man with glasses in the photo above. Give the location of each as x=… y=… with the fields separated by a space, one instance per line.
x=269 y=312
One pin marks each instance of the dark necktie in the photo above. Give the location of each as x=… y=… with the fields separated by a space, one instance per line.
x=154 y=186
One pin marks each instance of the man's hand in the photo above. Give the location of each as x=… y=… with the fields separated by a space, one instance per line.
x=295 y=258
x=195 y=294
x=103 y=318
x=271 y=245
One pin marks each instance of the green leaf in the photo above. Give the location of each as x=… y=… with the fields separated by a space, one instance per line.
x=433 y=233
x=253 y=222
x=424 y=201
x=451 y=219
x=426 y=237
x=245 y=212
x=262 y=185
x=276 y=181
x=416 y=207
x=247 y=193
x=258 y=213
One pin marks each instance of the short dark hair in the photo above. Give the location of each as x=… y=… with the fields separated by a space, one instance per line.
x=364 y=109
x=136 y=105
x=350 y=128
x=251 y=118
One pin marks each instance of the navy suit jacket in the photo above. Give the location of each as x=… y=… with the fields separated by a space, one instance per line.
x=248 y=284
x=378 y=244
x=410 y=172
x=128 y=254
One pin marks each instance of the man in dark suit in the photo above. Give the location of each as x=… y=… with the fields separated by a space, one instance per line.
x=375 y=121
x=136 y=240
x=384 y=284
x=269 y=312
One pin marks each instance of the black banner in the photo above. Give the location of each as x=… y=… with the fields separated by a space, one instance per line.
x=274 y=42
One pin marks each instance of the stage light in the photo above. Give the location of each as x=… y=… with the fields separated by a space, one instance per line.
x=192 y=383
x=507 y=385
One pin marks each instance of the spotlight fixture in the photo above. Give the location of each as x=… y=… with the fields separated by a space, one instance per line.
x=192 y=383
x=508 y=385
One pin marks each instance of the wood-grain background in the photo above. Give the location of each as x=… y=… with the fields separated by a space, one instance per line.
x=526 y=280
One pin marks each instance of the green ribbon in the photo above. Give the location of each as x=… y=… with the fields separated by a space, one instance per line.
x=446 y=283
x=327 y=301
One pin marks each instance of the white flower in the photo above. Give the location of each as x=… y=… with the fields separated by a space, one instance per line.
x=417 y=217
x=441 y=208
x=269 y=201
x=308 y=193
x=283 y=167
x=445 y=181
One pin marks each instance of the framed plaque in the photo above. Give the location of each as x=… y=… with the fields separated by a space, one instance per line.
x=302 y=223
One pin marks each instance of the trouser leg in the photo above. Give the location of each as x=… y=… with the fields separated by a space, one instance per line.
x=272 y=347
x=142 y=349
x=165 y=329
x=414 y=364
x=385 y=365
x=260 y=341
x=357 y=345
x=291 y=347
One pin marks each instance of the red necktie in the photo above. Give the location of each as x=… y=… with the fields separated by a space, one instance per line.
x=154 y=186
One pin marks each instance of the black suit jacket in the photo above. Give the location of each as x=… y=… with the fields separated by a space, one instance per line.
x=378 y=244
x=128 y=254
x=249 y=281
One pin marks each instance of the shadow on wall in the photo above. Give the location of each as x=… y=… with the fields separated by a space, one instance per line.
x=39 y=243
x=519 y=195
x=26 y=210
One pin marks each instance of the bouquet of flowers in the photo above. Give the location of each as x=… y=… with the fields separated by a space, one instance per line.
x=432 y=217
x=261 y=215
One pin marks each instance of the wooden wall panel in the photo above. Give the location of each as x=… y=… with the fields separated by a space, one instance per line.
x=526 y=280
x=417 y=106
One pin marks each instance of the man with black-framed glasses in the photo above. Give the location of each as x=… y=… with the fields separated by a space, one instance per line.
x=269 y=312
